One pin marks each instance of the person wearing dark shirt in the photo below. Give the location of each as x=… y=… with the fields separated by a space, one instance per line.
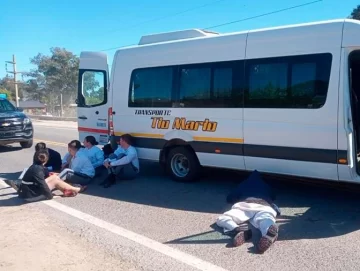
x=54 y=163
x=252 y=202
x=35 y=187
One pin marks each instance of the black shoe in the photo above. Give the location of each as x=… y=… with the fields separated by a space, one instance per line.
x=110 y=181
x=104 y=182
x=108 y=184
x=107 y=179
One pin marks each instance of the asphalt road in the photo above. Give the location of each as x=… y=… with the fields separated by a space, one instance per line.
x=319 y=226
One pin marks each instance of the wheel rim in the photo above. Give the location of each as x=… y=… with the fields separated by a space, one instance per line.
x=180 y=165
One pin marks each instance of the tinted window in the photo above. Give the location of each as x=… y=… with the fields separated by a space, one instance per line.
x=288 y=82
x=213 y=85
x=268 y=81
x=223 y=82
x=284 y=82
x=210 y=85
x=151 y=87
x=5 y=105
x=195 y=86
x=226 y=87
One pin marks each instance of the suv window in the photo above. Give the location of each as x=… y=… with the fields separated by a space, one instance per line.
x=5 y=105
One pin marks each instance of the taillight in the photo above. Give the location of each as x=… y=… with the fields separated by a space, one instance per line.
x=111 y=124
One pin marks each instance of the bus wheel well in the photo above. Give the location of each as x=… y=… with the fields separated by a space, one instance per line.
x=176 y=142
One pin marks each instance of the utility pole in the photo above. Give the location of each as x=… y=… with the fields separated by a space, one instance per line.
x=13 y=62
x=61 y=104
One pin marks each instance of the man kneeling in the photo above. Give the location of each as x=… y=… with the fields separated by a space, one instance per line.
x=123 y=164
x=253 y=204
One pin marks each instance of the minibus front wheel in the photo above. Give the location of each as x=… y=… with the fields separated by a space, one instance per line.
x=182 y=164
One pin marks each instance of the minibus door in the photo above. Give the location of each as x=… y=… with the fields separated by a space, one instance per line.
x=93 y=97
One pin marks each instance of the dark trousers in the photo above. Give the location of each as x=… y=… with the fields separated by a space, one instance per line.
x=99 y=170
x=77 y=178
x=124 y=172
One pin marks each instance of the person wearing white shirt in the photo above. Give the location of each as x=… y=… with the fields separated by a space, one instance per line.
x=123 y=164
x=95 y=155
x=80 y=170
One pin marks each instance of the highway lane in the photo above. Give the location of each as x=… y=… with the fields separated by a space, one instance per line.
x=320 y=227
x=55 y=133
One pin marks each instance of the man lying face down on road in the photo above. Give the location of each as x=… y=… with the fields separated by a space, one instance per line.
x=254 y=204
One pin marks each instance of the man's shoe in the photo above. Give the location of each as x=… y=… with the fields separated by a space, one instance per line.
x=108 y=184
x=107 y=179
x=103 y=182
x=269 y=239
x=110 y=181
x=241 y=237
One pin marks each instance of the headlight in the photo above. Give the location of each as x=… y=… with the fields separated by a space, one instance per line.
x=26 y=121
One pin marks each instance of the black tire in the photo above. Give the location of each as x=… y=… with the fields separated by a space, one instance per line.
x=192 y=164
x=26 y=144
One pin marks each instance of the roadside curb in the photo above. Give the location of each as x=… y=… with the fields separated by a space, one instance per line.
x=55 y=124
x=35 y=117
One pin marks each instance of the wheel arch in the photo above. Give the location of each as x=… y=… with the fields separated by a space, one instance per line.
x=173 y=143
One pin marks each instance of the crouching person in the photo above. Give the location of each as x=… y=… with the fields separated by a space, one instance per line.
x=54 y=162
x=123 y=164
x=35 y=187
x=254 y=204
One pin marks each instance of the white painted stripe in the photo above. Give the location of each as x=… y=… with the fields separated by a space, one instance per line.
x=137 y=238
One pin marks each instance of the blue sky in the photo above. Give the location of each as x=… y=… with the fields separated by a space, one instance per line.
x=31 y=27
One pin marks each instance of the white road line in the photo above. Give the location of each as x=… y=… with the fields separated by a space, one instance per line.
x=137 y=238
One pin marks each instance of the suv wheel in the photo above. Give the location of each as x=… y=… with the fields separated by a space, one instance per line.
x=26 y=144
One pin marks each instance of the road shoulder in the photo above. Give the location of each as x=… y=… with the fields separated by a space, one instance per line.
x=30 y=239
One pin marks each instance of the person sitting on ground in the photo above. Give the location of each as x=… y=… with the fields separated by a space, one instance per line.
x=54 y=163
x=65 y=162
x=254 y=203
x=107 y=150
x=80 y=171
x=35 y=187
x=95 y=155
x=123 y=164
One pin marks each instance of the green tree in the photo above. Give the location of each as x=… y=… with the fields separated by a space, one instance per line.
x=7 y=83
x=355 y=14
x=54 y=74
x=8 y=93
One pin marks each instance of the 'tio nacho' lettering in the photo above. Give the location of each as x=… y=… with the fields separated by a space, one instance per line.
x=183 y=124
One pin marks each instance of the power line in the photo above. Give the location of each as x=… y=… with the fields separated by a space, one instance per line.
x=265 y=14
x=169 y=16
x=158 y=19
x=237 y=21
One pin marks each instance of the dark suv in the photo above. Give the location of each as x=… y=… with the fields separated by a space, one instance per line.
x=15 y=126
